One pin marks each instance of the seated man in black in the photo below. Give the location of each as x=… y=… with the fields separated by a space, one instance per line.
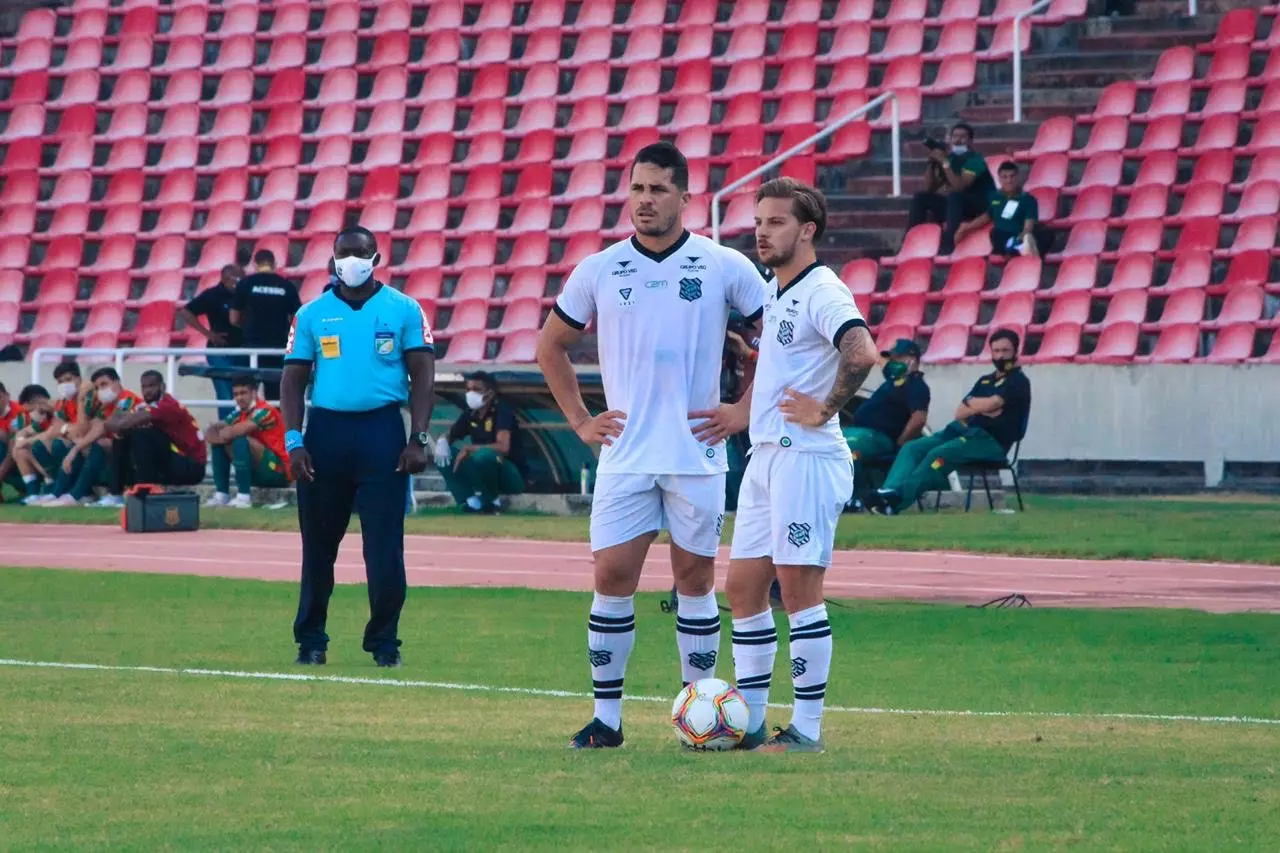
x=957 y=185
x=990 y=420
x=894 y=414
x=1014 y=217
x=490 y=466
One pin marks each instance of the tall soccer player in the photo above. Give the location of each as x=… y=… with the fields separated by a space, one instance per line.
x=661 y=303
x=815 y=352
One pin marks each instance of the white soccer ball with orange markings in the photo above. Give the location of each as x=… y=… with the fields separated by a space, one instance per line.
x=710 y=715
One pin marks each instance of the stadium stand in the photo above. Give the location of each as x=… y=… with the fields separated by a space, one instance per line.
x=146 y=145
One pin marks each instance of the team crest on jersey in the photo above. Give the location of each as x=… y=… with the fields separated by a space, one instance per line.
x=625 y=268
x=690 y=289
x=786 y=332
x=693 y=265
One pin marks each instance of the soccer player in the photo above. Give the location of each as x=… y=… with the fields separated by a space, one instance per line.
x=51 y=446
x=252 y=436
x=660 y=301
x=815 y=352
x=11 y=413
x=34 y=417
x=157 y=441
x=85 y=462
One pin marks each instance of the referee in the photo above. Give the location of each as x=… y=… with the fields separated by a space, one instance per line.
x=368 y=348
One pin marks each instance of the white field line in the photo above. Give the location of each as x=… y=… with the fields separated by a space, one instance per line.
x=569 y=694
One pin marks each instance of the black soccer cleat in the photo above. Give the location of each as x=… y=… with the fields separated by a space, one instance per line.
x=596 y=735
x=389 y=660
x=311 y=656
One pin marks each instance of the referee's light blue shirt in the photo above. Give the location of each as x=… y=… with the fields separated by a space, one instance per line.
x=358 y=350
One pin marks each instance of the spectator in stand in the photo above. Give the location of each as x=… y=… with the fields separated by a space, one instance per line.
x=490 y=466
x=35 y=417
x=957 y=186
x=264 y=306
x=1014 y=217
x=214 y=304
x=252 y=440
x=157 y=442
x=85 y=463
x=894 y=414
x=990 y=420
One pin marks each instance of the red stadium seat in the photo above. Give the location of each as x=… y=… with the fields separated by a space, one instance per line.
x=1256 y=232
x=1105 y=170
x=1070 y=308
x=1116 y=345
x=959 y=310
x=1170 y=99
x=1232 y=345
x=1248 y=269
x=946 y=344
x=1060 y=344
x=1242 y=305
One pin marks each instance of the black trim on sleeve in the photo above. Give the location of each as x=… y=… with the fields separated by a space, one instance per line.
x=424 y=348
x=756 y=315
x=666 y=253
x=307 y=361
x=846 y=326
x=569 y=321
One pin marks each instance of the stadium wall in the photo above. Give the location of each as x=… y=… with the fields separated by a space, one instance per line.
x=1198 y=413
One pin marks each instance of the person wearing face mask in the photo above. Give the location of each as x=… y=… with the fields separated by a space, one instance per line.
x=893 y=415
x=990 y=420
x=957 y=185
x=85 y=464
x=263 y=309
x=49 y=447
x=366 y=349
x=32 y=417
x=490 y=466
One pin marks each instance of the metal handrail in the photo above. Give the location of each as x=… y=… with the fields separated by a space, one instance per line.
x=171 y=354
x=1017 y=54
x=895 y=132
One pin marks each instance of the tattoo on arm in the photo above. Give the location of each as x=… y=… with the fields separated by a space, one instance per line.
x=857 y=358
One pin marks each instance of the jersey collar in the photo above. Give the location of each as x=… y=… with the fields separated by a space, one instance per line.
x=356 y=306
x=799 y=277
x=666 y=253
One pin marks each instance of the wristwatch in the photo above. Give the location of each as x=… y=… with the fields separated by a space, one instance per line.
x=422 y=439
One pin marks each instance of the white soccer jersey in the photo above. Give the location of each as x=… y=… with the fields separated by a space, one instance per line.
x=660 y=322
x=799 y=348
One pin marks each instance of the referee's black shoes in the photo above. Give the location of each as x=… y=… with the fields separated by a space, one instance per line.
x=311 y=656
x=390 y=660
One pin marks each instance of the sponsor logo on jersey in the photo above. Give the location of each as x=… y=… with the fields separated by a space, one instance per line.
x=625 y=268
x=655 y=285
x=694 y=264
x=624 y=297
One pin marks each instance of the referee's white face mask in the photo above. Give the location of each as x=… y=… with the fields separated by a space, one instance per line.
x=355 y=271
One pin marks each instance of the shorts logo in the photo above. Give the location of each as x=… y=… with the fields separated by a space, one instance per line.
x=786 y=332
x=719 y=523
x=798 y=534
x=799 y=666
x=690 y=289
x=711 y=453
x=786 y=442
x=702 y=660
x=599 y=657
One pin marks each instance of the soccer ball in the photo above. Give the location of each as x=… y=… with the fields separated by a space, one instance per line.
x=710 y=715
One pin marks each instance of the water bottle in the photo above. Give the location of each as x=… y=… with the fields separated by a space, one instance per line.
x=583 y=477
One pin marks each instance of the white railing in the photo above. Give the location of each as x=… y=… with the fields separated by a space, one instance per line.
x=171 y=356
x=1017 y=54
x=895 y=131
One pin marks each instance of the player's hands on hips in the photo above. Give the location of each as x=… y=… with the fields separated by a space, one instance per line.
x=602 y=429
x=413 y=459
x=720 y=423
x=300 y=464
x=802 y=409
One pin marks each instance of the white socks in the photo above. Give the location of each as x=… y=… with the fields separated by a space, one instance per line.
x=697 y=635
x=810 y=650
x=611 y=633
x=755 y=644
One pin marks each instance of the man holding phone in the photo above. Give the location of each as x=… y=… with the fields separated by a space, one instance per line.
x=957 y=185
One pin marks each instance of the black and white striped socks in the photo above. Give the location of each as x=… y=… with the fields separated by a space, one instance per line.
x=611 y=634
x=697 y=635
x=810 y=650
x=755 y=645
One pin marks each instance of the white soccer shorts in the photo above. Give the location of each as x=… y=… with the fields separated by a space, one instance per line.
x=789 y=506
x=689 y=506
